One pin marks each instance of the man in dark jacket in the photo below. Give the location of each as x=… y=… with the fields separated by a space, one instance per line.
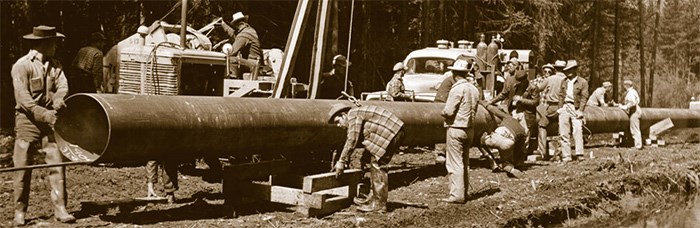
x=573 y=96
x=245 y=42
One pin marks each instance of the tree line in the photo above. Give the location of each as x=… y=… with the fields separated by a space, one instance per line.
x=652 y=42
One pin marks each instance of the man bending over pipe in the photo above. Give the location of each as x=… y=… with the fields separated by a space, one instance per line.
x=379 y=133
x=509 y=138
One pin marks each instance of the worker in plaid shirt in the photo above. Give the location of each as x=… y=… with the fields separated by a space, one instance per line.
x=379 y=133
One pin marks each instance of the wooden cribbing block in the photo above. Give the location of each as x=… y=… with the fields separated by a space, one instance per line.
x=331 y=205
x=323 y=181
x=661 y=126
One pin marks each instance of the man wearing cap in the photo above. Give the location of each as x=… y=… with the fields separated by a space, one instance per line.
x=631 y=107
x=509 y=138
x=395 y=87
x=86 y=69
x=547 y=111
x=245 y=41
x=332 y=83
x=40 y=86
x=572 y=103
x=601 y=96
x=378 y=133
x=459 y=113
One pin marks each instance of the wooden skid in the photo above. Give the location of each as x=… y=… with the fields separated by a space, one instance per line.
x=321 y=194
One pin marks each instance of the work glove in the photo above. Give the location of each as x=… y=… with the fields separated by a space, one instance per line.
x=339 y=167
x=58 y=104
x=50 y=117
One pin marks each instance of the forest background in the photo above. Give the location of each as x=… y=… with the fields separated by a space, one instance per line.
x=655 y=43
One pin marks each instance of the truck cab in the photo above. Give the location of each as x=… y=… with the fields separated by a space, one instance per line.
x=426 y=68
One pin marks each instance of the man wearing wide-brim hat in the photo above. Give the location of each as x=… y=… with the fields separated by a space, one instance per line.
x=572 y=104
x=40 y=86
x=86 y=69
x=245 y=43
x=459 y=112
x=547 y=111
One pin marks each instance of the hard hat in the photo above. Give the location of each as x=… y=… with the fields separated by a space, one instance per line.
x=514 y=60
x=548 y=66
x=559 y=64
x=336 y=109
x=459 y=65
x=143 y=30
x=226 y=48
x=398 y=66
x=239 y=16
x=340 y=59
x=607 y=84
x=570 y=65
x=627 y=82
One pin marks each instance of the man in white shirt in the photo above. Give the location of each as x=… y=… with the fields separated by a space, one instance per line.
x=631 y=106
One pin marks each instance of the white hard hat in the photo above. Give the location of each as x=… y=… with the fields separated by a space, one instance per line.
x=143 y=30
x=226 y=48
x=398 y=66
x=459 y=65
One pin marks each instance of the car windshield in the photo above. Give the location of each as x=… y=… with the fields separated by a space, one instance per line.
x=428 y=65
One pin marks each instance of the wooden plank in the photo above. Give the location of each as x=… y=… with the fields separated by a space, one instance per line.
x=331 y=205
x=294 y=196
x=323 y=181
x=661 y=126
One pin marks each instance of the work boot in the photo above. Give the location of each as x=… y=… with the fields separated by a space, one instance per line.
x=170 y=196
x=513 y=172
x=58 y=195
x=380 y=190
x=21 y=180
x=363 y=200
x=19 y=218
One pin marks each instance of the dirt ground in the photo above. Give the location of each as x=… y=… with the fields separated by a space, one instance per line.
x=618 y=187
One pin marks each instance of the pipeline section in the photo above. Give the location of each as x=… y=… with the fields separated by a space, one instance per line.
x=106 y=128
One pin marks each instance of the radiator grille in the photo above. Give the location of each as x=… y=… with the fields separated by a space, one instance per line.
x=159 y=78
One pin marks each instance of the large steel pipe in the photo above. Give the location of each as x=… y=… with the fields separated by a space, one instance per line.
x=105 y=128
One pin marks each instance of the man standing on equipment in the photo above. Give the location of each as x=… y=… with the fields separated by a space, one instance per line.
x=245 y=42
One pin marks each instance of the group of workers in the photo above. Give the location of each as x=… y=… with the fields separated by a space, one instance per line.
x=41 y=85
x=527 y=106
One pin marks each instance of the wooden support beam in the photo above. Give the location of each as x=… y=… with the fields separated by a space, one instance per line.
x=325 y=181
x=660 y=127
x=331 y=206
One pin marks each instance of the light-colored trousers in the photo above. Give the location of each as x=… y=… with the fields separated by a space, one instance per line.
x=635 y=129
x=567 y=121
x=459 y=140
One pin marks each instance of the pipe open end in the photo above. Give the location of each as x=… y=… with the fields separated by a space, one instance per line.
x=82 y=129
